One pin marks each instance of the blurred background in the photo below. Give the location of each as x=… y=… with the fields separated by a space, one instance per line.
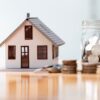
x=64 y=17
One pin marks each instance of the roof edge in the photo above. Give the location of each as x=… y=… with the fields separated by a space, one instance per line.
x=44 y=34
x=12 y=33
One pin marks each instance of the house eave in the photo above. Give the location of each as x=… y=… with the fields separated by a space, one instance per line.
x=61 y=44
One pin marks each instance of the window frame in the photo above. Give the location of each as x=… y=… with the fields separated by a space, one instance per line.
x=26 y=36
x=9 y=56
x=55 y=51
x=38 y=52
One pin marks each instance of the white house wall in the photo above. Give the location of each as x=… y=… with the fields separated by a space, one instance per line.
x=2 y=57
x=18 y=39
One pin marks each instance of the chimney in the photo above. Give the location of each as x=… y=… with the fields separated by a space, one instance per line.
x=28 y=15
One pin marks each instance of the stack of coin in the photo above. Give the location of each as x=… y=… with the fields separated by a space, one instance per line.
x=69 y=66
x=89 y=68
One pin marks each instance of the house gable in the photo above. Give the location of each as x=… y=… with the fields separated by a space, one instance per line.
x=18 y=37
x=35 y=22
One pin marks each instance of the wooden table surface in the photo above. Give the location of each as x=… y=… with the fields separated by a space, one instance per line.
x=45 y=86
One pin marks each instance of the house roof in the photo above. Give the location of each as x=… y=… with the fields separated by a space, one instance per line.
x=36 y=22
x=46 y=31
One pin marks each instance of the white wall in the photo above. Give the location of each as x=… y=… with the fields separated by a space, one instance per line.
x=2 y=57
x=19 y=40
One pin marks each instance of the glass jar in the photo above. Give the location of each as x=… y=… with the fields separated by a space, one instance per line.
x=90 y=41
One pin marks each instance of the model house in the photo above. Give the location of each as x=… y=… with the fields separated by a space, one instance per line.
x=31 y=45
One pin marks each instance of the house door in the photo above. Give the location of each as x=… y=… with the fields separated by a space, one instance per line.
x=24 y=56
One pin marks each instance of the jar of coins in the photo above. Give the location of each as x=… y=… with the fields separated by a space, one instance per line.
x=90 y=41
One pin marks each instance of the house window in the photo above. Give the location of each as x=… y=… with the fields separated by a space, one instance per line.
x=28 y=32
x=54 y=51
x=42 y=52
x=57 y=51
x=11 y=52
